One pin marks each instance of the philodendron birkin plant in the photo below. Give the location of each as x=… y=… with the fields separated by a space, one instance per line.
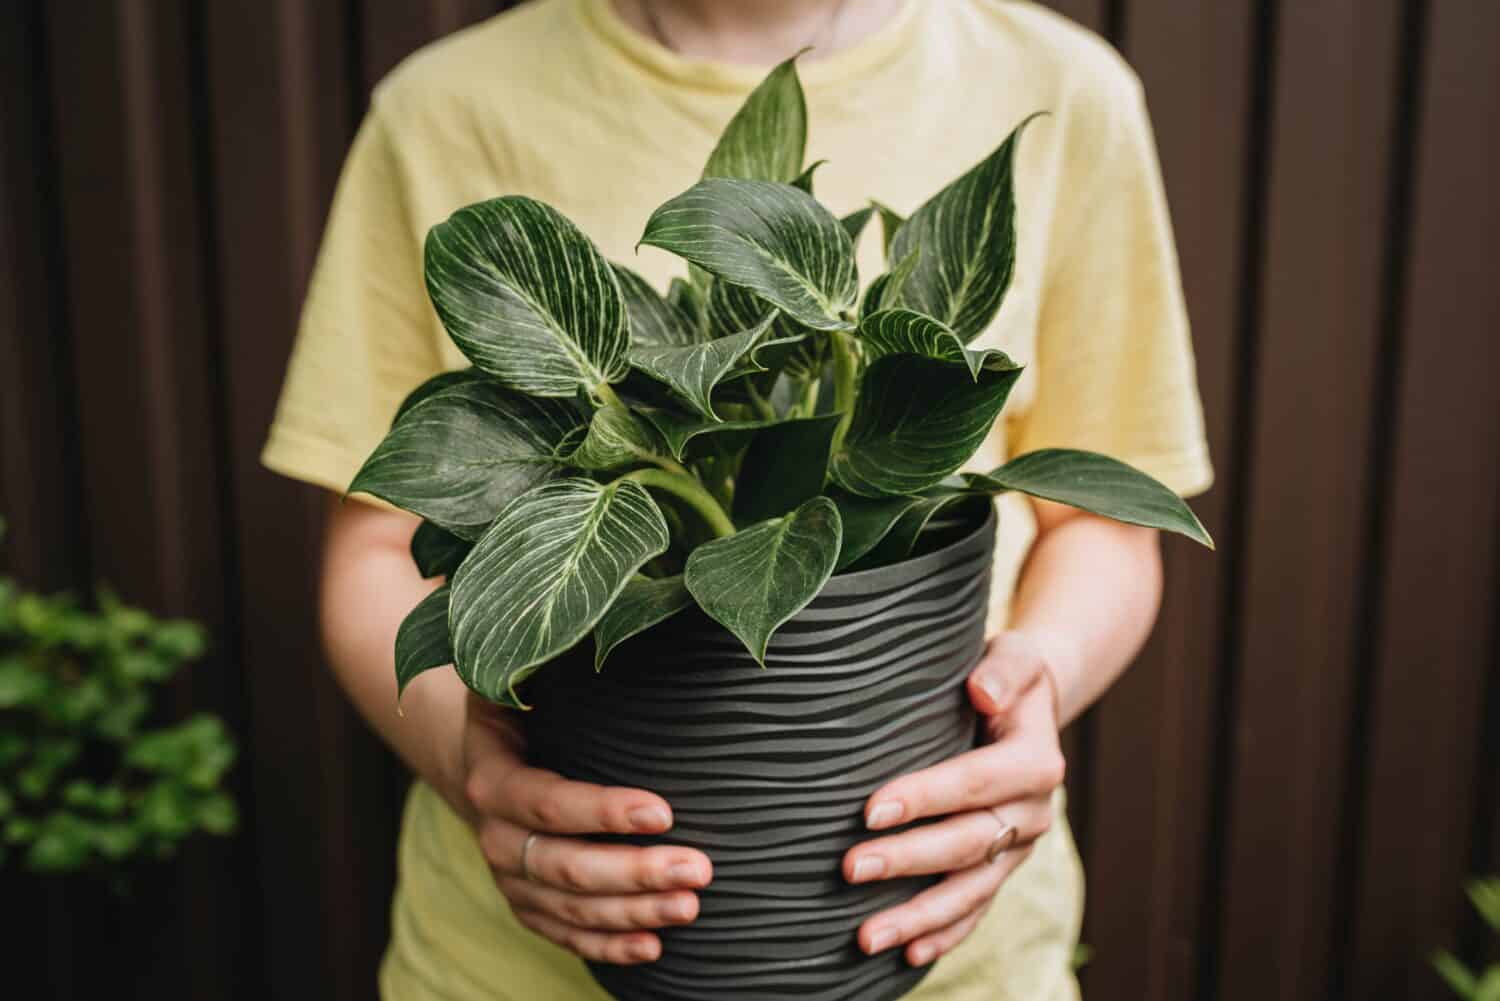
x=615 y=455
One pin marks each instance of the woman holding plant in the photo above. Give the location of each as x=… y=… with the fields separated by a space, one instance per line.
x=605 y=109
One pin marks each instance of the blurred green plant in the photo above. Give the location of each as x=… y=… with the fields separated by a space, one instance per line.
x=1469 y=984
x=85 y=783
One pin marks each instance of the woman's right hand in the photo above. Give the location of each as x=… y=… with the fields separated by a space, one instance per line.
x=599 y=901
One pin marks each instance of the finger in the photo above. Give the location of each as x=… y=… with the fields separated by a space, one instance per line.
x=617 y=912
x=1012 y=663
x=949 y=902
x=621 y=948
x=584 y=867
x=540 y=800
x=1027 y=764
x=929 y=947
x=948 y=845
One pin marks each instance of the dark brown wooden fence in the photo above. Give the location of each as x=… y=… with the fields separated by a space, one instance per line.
x=1282 y=798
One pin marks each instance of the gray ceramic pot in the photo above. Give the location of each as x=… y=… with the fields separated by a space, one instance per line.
x=768 y=770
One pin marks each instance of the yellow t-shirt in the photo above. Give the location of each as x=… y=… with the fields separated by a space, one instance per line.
x=562 y=101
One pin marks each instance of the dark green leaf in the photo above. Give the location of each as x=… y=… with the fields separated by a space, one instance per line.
x=917 y=420
x=867 y=520
x=1095 y=483
x=804 y=180
x=682 y=432
x=785 y=466
x=901 y=541
x=642 y=604
x=465 y=452
x=767 y=137
x=422 y=641
x=689 y=301
x=217 y=814
x=436 y=551
x=967 y=233
x=617 y=438
x=653 y=320
x=544 y=574
x=885 y=291
x=770 y=238
x=891 y=222
x=436 y=384
x=854 y=223
x=693 y=371
x=901 y=331
x=527 y=297
x=753 y=581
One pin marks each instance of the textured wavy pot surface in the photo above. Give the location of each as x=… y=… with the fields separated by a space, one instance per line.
x=768 y=770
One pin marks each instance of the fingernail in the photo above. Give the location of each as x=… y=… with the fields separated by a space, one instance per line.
x=678 y=909
x=883 y=939
x=885 y=814
x=649 y=819
x=869 y=867
x=686 y=873
x=921 y=955
x=995 y=689
x=644 y=950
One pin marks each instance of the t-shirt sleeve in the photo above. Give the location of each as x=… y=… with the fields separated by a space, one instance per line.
x=1114 y=356
x=367 y=334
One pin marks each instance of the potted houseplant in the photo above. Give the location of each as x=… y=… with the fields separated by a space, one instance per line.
x=751 y=482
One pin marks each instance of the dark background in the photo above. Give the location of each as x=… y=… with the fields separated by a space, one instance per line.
x=1280 y=801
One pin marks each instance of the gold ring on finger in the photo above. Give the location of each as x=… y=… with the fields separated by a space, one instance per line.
x=1004 y=839
x=531 y=839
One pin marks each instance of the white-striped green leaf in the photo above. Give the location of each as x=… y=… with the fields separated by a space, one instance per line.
x=653 y=320
x=967 y=233
x=767 y=137
x=891 y=222
x=692 y=371
x=1095 y=483
x=466 y=451
x=854 y=223
x=436 y=384
x=915 y=421
x=770 y=238
x=785 y=466
x=617 y=438
x=645 y=602
x=885 y=291
x=544 y=574
x=527 y=297
x=436 y=551
x=754 y=580
x=902 y=331
x=422 y=640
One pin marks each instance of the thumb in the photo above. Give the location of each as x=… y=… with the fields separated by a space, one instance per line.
x=1011 y=664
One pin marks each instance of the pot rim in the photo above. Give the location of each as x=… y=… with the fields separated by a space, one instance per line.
x=863 y=582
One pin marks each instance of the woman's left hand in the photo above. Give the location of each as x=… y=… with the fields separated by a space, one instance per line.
x=984 y=795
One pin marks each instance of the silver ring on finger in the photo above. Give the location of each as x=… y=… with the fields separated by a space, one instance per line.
x=531 y=839
x=1005 y=837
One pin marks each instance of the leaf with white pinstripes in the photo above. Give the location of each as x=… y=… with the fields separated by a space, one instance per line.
x=527 y=297
x=772 y=239
x=754 y=580
x=436 y=384
x=767 y=137
x=653 y=320
x=694 y=370
x=902 y=331
x=422 y=641
x=917 y=420
x=617 y=438
x=544 y=574
x=645 y=602
x=466 y=451
x=967 y=233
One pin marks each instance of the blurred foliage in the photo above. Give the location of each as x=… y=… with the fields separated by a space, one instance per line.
x=86 y=783
x=1470 y=984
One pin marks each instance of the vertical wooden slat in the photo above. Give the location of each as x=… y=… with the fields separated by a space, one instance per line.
x=1435 y=632
x=1306 y=562
x=150 y=473
x=1151 y=790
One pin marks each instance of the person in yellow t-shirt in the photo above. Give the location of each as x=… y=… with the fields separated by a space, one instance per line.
x=605 y=109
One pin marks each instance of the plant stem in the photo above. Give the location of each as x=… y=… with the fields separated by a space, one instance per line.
x=760 y=403
x=845 y=377
x=687 y=489
x=607 y=394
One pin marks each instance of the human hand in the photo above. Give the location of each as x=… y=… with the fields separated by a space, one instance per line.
x=598 y=901
x=997 y=800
